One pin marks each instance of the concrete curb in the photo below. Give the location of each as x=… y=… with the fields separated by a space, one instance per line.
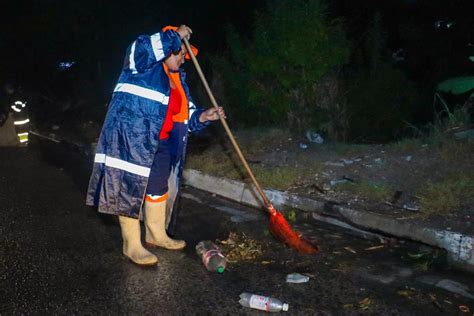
x=459 y=247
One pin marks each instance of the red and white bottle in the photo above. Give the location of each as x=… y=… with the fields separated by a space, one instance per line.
x=211 y=256
x=263 y=303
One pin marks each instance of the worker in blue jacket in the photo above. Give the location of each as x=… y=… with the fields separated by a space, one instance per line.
x=141 y=149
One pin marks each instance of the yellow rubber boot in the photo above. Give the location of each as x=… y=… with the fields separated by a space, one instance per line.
x=132 y=245
x=155 y=223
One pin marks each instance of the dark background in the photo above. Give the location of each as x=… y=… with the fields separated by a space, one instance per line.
x=37 y=35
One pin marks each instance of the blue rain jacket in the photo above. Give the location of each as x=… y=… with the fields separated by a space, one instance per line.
x=129 y=137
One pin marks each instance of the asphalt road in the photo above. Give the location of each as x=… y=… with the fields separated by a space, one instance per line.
x=58 y=256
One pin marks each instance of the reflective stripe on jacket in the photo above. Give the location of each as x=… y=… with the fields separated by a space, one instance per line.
x=129 y=136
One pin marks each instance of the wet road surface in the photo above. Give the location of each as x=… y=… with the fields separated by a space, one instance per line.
x=58 y=256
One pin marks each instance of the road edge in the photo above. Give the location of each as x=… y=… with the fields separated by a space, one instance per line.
x=459 y=247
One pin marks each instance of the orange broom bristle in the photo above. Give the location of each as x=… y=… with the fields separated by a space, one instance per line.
x=281 y=229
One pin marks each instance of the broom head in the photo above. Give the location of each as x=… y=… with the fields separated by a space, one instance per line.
x=281 y=229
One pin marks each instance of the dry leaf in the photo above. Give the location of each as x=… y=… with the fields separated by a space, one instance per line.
x=365 y=303
x=375 y=247
x=350 y=249
x=240 y=248
x=406 y=293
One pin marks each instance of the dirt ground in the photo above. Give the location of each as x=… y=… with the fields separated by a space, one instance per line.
x=423 y=179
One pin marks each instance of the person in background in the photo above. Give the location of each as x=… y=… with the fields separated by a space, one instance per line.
x=141 y=149
x=18 y=110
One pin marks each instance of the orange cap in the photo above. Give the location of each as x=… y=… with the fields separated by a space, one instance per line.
x=174 y=28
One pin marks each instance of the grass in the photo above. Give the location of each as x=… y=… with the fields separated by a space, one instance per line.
x=407 y=144
x=279 y=178
x=344 y=149
x=255 y=140
x=443 y=182
x=448 y=195
x=374 y=191
x=215 y=163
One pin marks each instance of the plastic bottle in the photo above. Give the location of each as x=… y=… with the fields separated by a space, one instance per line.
x=264 y=303
x=296 y=278
x=211 y=256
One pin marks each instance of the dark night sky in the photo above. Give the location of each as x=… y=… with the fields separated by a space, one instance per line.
x=36 y=35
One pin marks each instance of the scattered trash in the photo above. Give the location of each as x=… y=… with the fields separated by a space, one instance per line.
x=65 y=65
x=334 y=164
x=465 y=134
x=378 y=160
x=435 y=301
x=375 y=247
x=416 y=255
x=406 y=293
x=455 y=287
x=409 y=206
x=347 y=161
x=448 y=302
x=296 y=278
x=291 y=215
x=464 y=309
x=398 y=55
x=264 y=262
x=424 y=257
x=240 y=248
x=365 y=303
x=336 y=182
x=262 y=303
x=350 y=249
x=341 y=181
x=314 y=137
x=408 y=158
x=211 y=256
x=303 y=146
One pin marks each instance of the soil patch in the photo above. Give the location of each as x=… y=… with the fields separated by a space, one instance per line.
x=416 y=179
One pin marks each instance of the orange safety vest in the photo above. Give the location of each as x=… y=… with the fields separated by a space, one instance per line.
x=175 y=114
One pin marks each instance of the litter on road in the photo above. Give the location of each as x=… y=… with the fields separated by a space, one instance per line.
x=263 y=303
x=297 y=278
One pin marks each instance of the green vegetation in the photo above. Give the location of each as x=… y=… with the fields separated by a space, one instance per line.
x=447 y=195
x=279 y=178
x=273 y=77
x=373 y=191
x=212 y=163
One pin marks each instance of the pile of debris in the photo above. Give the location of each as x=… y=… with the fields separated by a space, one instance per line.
x=239 y=247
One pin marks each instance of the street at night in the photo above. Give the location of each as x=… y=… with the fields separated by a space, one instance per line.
x=303 y=157
x=60 y=257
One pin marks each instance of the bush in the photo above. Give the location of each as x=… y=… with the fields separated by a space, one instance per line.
x=380 y=103
x=271 y=79
x=380 y=97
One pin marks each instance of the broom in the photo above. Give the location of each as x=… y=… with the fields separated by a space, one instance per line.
x=278 y=226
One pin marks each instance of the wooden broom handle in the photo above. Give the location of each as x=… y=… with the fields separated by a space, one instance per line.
x=266 y=201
